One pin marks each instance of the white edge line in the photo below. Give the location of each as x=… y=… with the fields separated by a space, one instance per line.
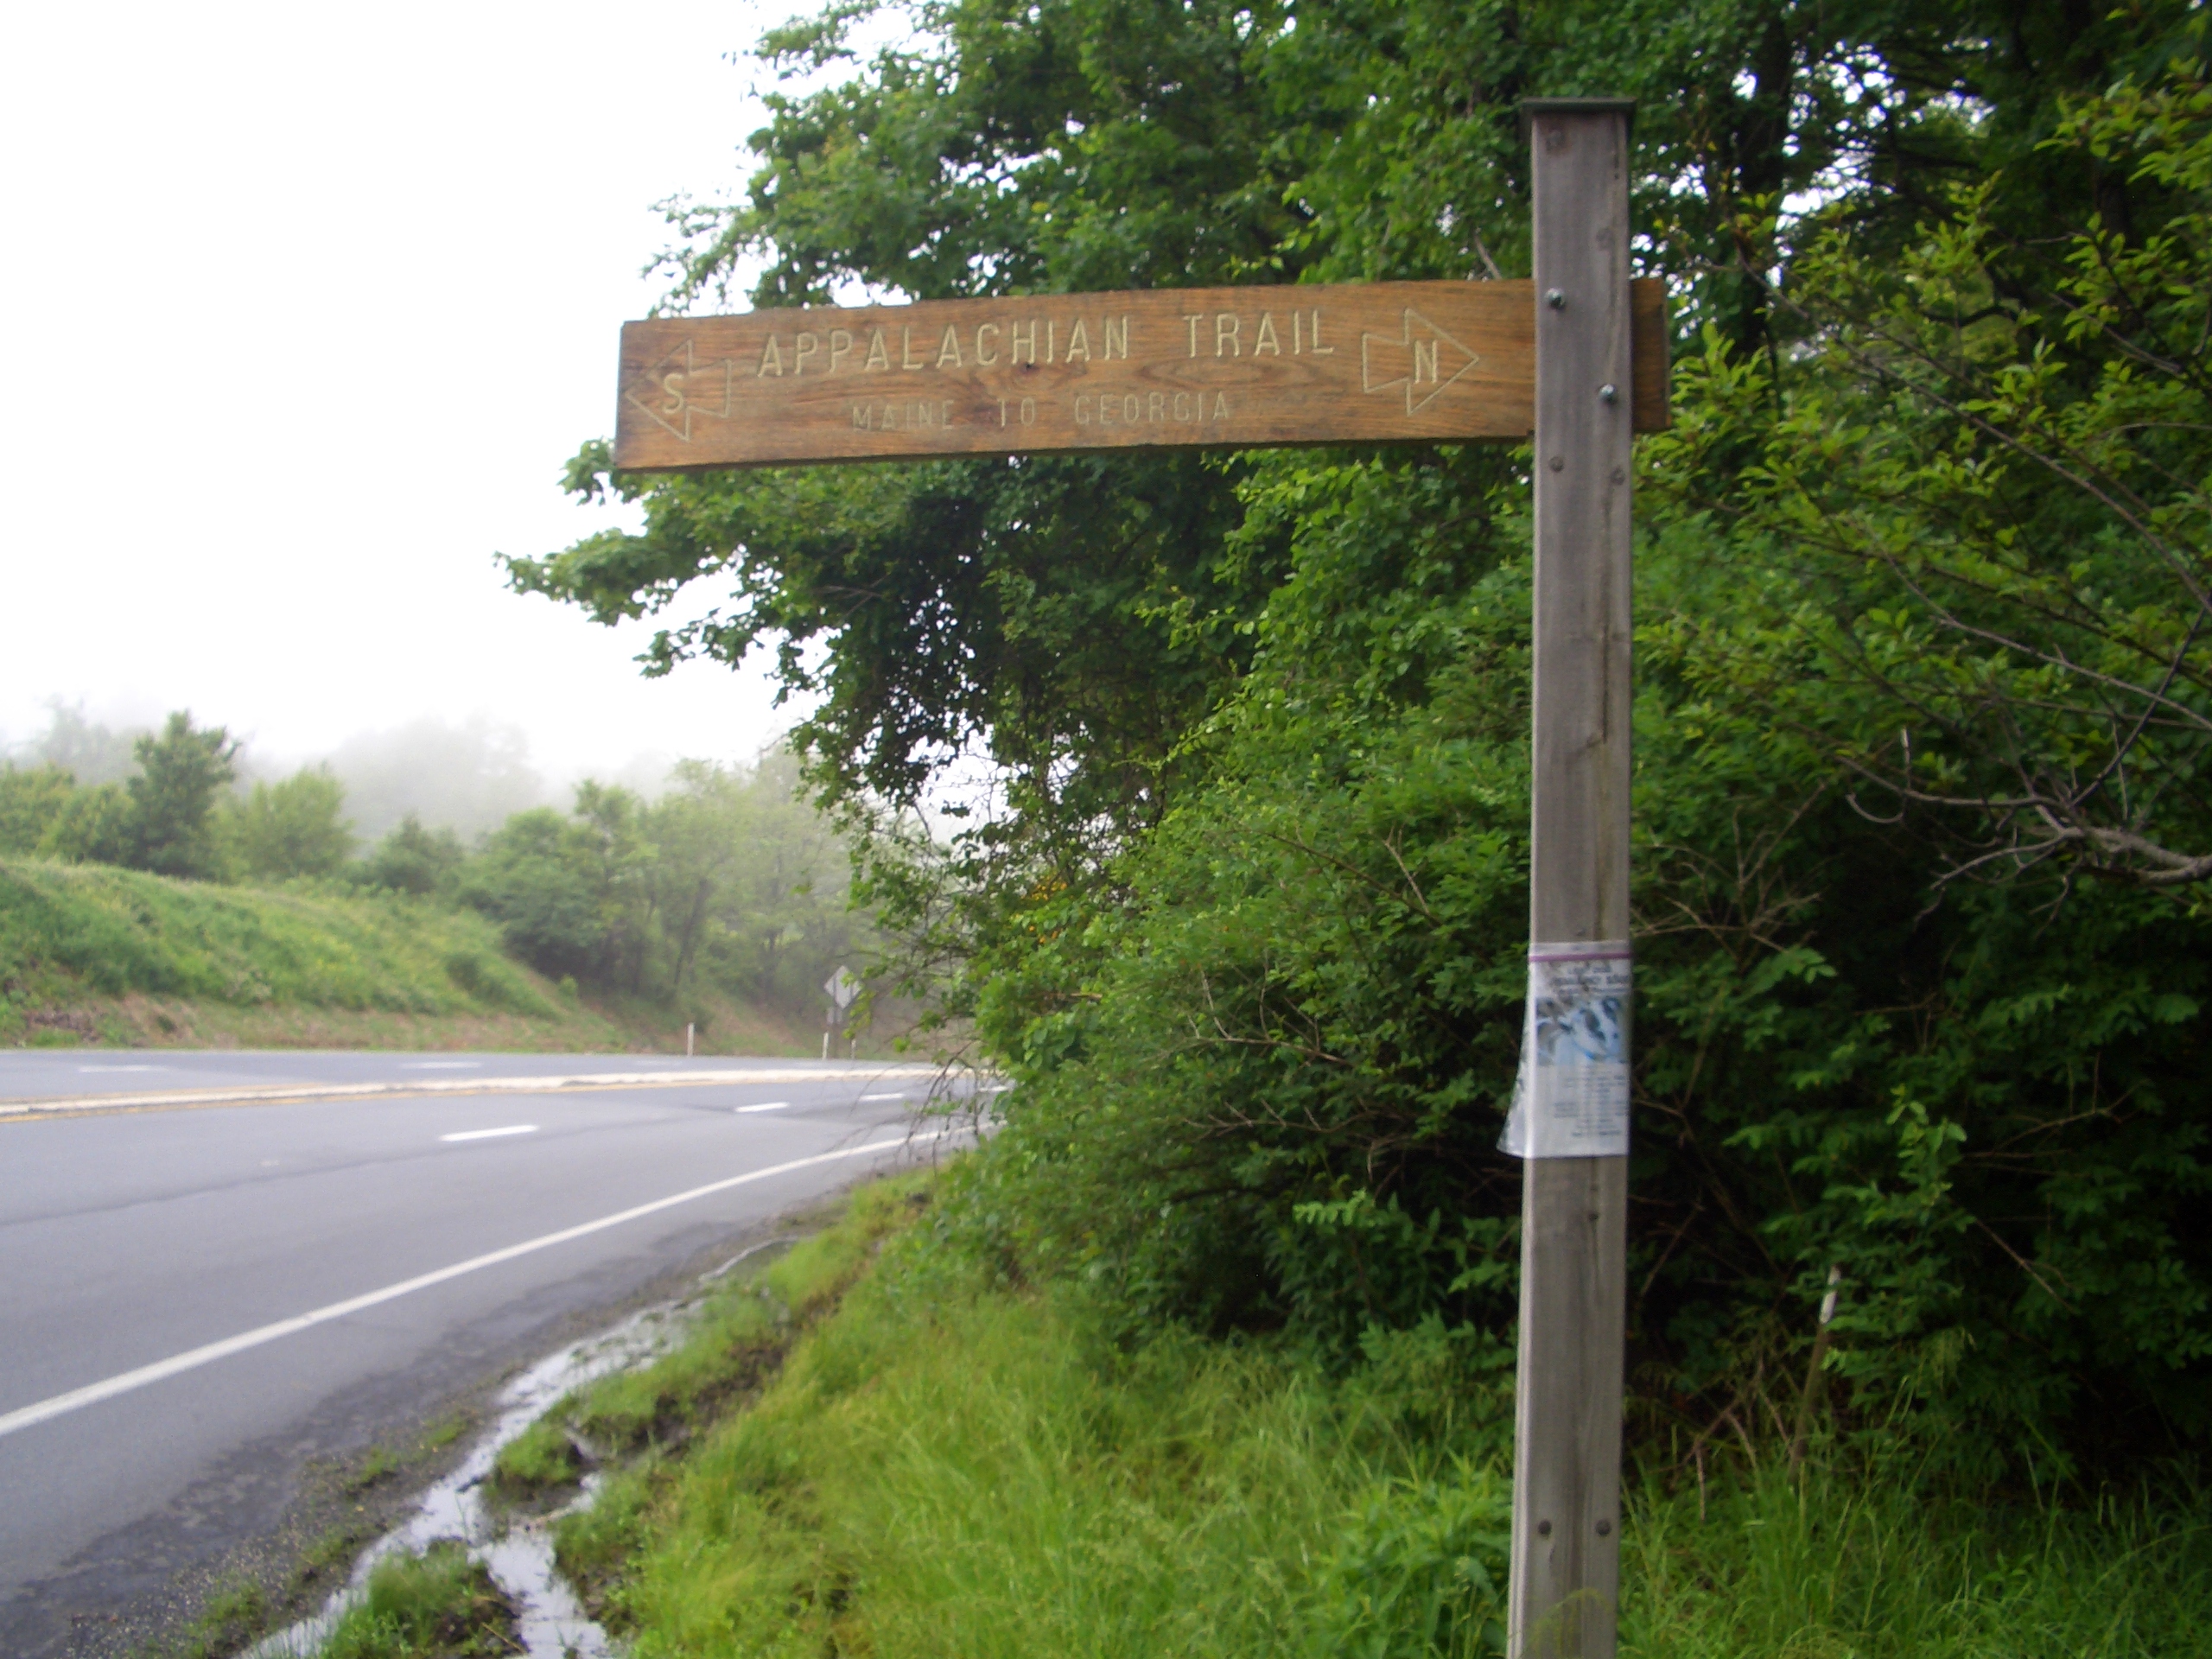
x=490 y=1135
x=124 y=1383
x=766 y=1106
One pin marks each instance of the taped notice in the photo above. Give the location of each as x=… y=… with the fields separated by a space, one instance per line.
x=1570 y=1099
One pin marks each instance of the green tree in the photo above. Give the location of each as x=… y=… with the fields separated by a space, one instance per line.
x=182 y=771
x=412 y=858
x=1240 y=896
x=573 y=894
x=289 y=829
x=533 y=877
x=31 y=801
x=1983 y=506
x=731 y=882
x=931 y=615
x=95 y=825
x=754 y=883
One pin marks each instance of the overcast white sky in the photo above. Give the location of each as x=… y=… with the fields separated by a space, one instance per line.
x=302 y=308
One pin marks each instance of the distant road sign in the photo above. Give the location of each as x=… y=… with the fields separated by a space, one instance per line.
x=841 y=988
x=1236 y=367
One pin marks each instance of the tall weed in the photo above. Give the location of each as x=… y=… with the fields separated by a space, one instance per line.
x=951 y=1467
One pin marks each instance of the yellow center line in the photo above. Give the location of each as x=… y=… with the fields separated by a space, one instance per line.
x=65 y=1106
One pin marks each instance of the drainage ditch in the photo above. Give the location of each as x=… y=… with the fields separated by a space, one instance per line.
x=517 y=1550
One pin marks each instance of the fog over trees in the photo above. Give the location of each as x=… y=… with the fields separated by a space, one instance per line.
x=662 y=881
x=468 y=774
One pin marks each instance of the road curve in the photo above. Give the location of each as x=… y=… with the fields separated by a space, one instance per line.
x=195 y=1298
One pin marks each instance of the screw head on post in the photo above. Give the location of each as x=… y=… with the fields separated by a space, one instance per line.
x=1556 y=298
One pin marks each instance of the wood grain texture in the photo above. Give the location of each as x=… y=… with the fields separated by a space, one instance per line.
x=1566 y=1567
x=1233 y=367
x=1563 y=1600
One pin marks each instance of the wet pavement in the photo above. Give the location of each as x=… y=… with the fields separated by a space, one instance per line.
x=199 y=1304
x=518 y=1550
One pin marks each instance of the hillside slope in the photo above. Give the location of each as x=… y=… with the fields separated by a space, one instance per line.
x=92 y=953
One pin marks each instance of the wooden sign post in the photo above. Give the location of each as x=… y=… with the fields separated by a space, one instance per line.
x=1577 y=358
x=1567 y=1440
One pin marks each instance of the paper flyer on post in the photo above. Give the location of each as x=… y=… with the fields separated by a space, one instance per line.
x=1570 y=1099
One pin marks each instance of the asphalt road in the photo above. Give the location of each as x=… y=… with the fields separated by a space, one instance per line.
x=135 y=1244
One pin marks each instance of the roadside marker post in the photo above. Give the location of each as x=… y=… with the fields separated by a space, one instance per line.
x=843 y=988
x=1577 y=357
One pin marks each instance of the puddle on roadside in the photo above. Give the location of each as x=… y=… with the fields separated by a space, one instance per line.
x=517 y=1550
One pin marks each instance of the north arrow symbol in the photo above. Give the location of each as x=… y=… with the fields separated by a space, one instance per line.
x=1424 y=360
x=677 y=388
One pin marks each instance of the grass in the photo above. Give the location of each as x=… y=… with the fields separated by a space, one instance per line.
x=233 y=1615
x=89 y=953
x=1828 y=1566
x=440 y=1605
x=543 y=1458
x=941 y=1468
x=90 y=929
x=375 y=1463
x=335 y=1549
x=734 y=1346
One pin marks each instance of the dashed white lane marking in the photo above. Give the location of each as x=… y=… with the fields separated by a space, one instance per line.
x=94 y=1393
x=897 y=1096
x=490 y=1135
x=440 y=1066
x=122 y=1068
x=767 y=1106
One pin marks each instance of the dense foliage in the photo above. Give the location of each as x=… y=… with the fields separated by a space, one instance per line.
x=1924 y=682
x=294 y=827
x=164 y=816
x=727 y=883
x=728 y=879
x=171 y=811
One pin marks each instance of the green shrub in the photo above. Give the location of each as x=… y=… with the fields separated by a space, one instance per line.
x=31 y=801
x=441 y=1605
x=1418 y=1567
x=539 y=1458
x=287 y=830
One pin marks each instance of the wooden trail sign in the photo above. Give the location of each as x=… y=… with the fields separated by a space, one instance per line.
x=1239 y=367
x=1575 y=358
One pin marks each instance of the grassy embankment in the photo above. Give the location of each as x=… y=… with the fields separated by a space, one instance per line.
x=93 y=954
x=945 y=1467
